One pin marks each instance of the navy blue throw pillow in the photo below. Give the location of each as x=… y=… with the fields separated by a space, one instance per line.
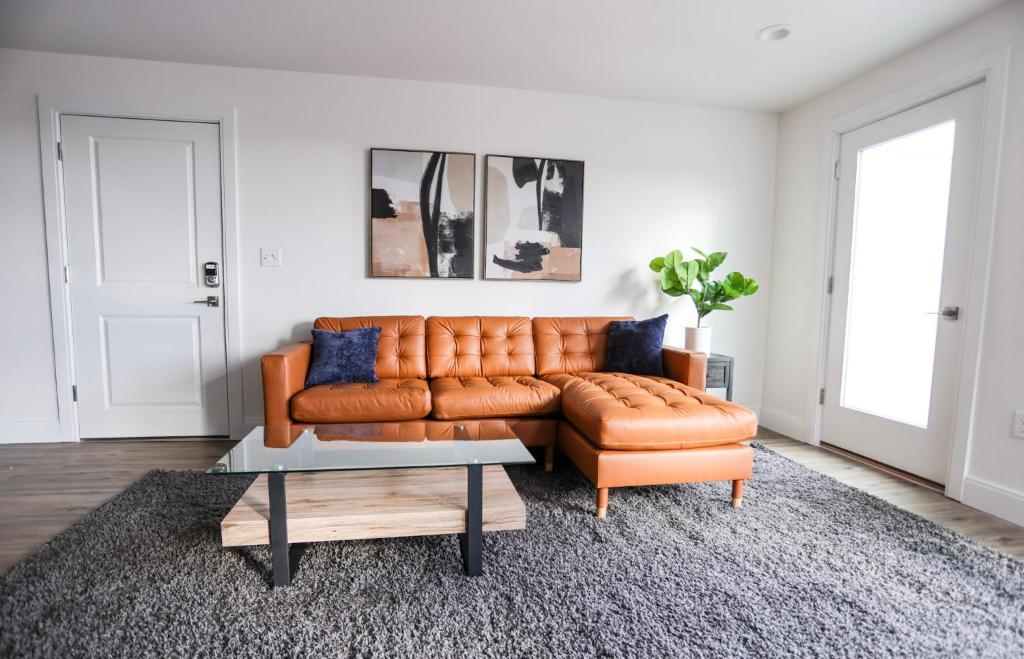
x=634 y=346
x=340 y=357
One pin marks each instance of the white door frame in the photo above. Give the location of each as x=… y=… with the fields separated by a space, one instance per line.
x=50 y=110
x=992 y=70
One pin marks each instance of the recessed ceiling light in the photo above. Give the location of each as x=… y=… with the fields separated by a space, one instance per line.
x=773 y=33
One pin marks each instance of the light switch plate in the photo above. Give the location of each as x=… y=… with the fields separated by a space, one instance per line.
x=1018 y=424
x=270 y=257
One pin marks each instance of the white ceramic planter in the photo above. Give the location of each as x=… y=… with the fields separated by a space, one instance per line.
x=698 y=339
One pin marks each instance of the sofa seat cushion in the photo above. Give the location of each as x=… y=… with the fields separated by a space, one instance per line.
x=495 y=396
x=627 y=412
x=389 y=399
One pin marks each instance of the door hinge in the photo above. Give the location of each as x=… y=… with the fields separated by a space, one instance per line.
x=836 y=170
x=74 y=393
x=67 y=274
x=829 y=286
x=821 y=396
x=60 y=151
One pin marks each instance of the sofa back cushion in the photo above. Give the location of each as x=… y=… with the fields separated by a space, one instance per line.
x=571 y=345
x=479 y=346
x=401 y=350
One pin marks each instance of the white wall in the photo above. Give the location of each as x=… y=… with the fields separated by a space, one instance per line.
x=657 y=177
x=996 y=461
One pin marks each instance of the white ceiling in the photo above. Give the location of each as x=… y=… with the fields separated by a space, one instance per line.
x=679 y=51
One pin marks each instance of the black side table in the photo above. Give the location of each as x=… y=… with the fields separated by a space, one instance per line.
x=720 y=374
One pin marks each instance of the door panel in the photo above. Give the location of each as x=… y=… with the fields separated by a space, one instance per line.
x=152 y=360
x=903 y=238
x=143 y=213
x=163 y=248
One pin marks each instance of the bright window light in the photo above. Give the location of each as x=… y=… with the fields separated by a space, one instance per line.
x=899 y=232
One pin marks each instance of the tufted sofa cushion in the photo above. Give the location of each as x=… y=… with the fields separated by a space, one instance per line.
x=391 y=399
x=571 y=345
x=638 y=412
x=490 y=397
x=479 y=346
x=401 y=349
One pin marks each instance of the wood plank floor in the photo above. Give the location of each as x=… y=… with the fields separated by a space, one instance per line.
x=44 y=488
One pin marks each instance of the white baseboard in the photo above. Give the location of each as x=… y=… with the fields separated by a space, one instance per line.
x=784 y=424
x=994 y=499
x=29 y=432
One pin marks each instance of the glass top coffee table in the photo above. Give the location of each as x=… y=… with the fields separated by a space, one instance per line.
x=373 y=480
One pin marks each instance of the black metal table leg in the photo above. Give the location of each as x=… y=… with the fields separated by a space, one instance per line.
x=470 y=542
x=279 y=530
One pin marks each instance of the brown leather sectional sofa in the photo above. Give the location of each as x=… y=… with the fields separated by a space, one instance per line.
x=542 y=376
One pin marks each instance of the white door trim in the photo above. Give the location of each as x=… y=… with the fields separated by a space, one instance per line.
x=993 y=71
x=50 y=110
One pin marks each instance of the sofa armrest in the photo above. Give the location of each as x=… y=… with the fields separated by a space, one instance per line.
x=686 y=366
x=284 y=375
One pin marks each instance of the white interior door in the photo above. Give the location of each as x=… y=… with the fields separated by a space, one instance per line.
x=902 y=249
x=143 y=207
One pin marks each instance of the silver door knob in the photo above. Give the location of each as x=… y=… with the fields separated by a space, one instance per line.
x=210 y=301
x=948 y=313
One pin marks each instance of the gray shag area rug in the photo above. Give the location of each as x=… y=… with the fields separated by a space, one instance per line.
x=807 y=567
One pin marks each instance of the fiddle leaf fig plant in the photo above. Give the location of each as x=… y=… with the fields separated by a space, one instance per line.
x=680 y=277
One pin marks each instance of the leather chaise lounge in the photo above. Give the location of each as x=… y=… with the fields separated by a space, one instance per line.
x=544 y=378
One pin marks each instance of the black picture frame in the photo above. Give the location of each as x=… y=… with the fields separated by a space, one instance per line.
x=463 y=220
x=577 y=241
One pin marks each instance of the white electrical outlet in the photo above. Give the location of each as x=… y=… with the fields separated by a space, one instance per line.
x=270 y=257
x=1018 y=424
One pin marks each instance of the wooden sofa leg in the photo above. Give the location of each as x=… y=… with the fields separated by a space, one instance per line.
x=602 y=502
x=549 y=458
x=737 y=493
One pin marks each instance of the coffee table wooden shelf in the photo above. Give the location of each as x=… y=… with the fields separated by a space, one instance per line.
x=383 y=503
x=367 y=480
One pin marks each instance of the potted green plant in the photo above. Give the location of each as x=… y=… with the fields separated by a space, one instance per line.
x=680 y=277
